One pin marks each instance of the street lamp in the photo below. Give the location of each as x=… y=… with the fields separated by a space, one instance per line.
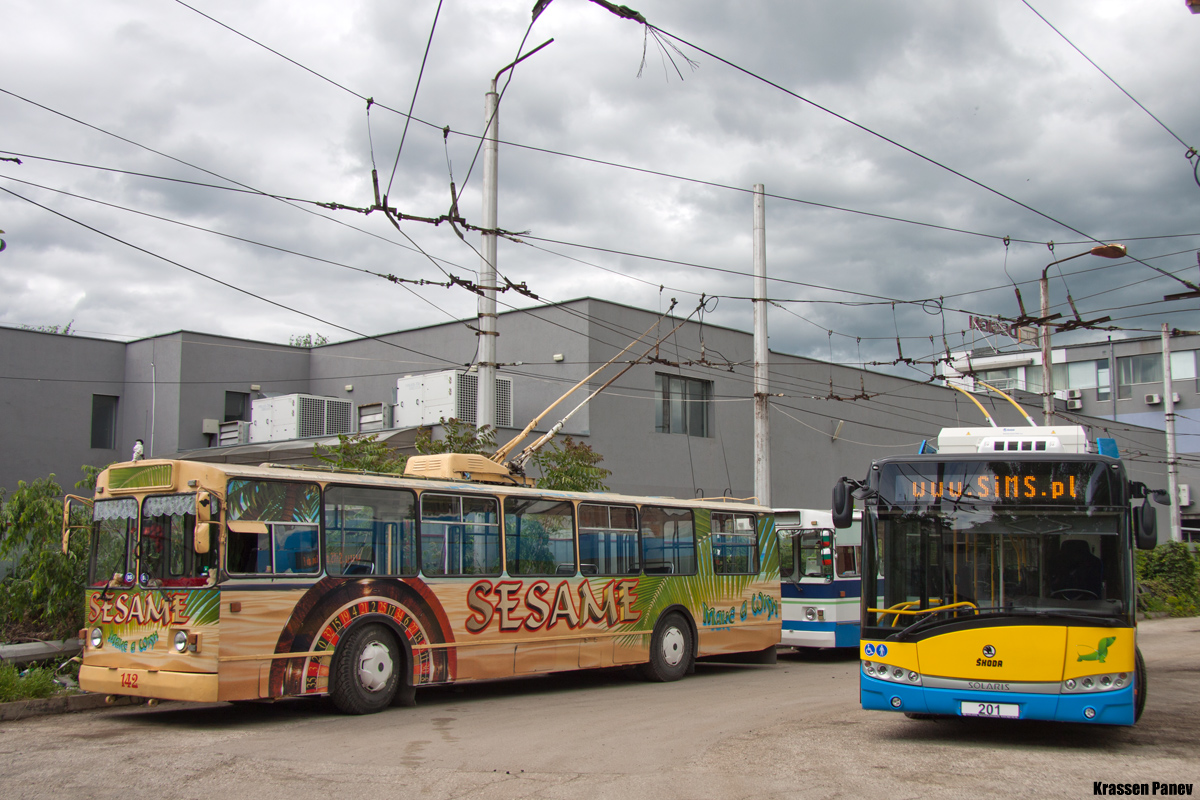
x=1102 y=250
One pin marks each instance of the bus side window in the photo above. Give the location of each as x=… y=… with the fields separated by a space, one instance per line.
x=787 y=554
x=847 y=561
x=668 y=541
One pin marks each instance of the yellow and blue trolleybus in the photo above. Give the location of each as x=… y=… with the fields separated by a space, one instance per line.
x=1006 y=579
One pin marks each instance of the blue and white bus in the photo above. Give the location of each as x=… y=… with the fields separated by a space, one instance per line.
x=819 y=568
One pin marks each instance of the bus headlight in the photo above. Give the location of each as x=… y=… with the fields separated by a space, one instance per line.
x=97 y=639
x=869 y=667
x=1096 y=683
x=181 y=641
x=810 y=614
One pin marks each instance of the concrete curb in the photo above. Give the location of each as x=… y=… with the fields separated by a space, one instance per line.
x=62 y=704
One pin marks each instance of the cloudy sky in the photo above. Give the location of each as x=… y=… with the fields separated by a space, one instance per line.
x=899 y=143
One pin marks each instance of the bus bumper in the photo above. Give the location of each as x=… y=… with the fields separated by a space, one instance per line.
x=819 y=634
x=199 y=687
x=1111 y=708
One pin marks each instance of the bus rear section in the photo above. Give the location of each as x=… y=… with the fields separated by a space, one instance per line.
x=820 y=581
x=1006 y=587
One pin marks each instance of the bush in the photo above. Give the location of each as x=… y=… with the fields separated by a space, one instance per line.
x=1169 y=578
x=43 y=597
x=36 y=682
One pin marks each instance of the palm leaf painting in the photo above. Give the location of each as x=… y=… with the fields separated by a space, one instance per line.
x=656 y=593
x=273 y=501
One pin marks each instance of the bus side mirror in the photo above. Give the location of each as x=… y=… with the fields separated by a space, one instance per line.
x=843 y=504
x=1145 y=526
x=202 y=538
x=80 y=508
x=205 y=507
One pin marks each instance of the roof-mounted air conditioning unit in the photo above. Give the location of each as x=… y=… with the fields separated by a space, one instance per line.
x=299 y=416
x=233 y=432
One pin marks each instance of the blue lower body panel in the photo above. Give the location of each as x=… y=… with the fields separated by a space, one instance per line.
x=1112 y=708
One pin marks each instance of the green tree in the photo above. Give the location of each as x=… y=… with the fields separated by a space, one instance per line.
x=457 y=437
x=1169 y=577
x=43 y=597
x=307 y=340
x=361 y=451
x=571 y=467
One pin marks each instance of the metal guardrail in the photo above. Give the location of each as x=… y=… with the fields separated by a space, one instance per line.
x=28 y=652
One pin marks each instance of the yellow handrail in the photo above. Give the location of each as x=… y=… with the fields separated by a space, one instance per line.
x=906 y=608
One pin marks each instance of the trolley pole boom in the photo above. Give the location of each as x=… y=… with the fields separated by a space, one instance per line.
x=518 y=463
x=503 y=452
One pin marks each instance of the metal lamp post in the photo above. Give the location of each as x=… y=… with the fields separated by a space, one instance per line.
x=1102 y=250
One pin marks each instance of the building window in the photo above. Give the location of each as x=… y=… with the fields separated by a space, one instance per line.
x=237 y=407
x=681 y=405
x=1138 y=369
x=1103 y=379
x=104 y=422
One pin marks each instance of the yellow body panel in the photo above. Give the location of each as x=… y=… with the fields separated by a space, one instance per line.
x=899 y=654
x=1096 y=651
x=200 y=687
x=1018 y=653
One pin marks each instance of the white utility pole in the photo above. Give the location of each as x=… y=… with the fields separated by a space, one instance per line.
x=762 y=438
x=485 y=387
x=485 y=391
x=1169 y=418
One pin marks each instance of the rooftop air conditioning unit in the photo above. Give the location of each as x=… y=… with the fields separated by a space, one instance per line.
x=299 y=416
x=1153 y=399
x=232 y=433
x=1074 y=404
x=374 y=417
x=1074 y=394
x=427 y=399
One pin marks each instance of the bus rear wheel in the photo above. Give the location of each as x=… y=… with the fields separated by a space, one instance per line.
x=670 y=650
x=1139 y=685
x=365 y=671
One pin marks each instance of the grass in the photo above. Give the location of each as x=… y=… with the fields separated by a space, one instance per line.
x=33 y=683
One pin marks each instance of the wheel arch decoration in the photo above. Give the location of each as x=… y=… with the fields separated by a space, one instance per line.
x=332 y=606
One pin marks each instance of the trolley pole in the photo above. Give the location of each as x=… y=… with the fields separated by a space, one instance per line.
x=485 y=398
x=1169 y=419
x=762 y=438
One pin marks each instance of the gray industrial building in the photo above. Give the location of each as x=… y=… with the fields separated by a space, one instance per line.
x=678 y=424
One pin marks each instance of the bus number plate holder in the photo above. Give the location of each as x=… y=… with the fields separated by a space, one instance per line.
x=974 y=708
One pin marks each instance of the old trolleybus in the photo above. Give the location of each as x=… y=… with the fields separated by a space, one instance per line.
x=1007 y=590
x=220 y=582
x=819 y=578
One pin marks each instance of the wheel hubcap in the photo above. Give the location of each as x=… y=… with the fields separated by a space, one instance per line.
x=374 y=667
x=672 y=646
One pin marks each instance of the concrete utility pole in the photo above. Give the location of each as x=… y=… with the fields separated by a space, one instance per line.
x=485 y=391
x=1169 y=418
x=762 y=438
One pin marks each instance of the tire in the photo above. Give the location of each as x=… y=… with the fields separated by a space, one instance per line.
x=365 y=671
x=919 y=715
x=1139 y=685
x=670 y=650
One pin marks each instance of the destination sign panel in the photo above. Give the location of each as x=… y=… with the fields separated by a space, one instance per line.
x=1014 y=483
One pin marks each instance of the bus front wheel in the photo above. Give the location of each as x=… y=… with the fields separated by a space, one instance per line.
x=670 y=650
x=365 y=670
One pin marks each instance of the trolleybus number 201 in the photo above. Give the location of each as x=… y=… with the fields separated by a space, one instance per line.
x=977 y=709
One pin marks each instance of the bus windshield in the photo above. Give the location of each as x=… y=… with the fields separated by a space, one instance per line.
x=989 y=560
x=165 y=549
